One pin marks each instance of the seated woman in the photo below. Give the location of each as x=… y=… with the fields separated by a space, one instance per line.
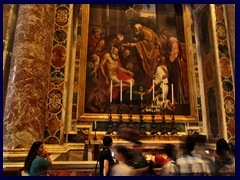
x=37 y=160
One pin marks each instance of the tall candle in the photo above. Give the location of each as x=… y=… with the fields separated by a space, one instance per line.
x=111 y=91
x=121 y=91
x=131 y=90
x=153 y=90
x=95 y=125
x=172 y=95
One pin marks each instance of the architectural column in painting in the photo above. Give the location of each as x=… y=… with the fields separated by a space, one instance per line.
x=159 y=19
x=95 y=16
x=25 y=109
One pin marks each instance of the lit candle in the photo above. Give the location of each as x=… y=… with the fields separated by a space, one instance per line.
x=153 y=90
x=172 y=95
x=111 y=92
x=121 y=91
x=131 y=90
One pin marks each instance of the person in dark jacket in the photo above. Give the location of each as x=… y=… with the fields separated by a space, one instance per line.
x=105 y=157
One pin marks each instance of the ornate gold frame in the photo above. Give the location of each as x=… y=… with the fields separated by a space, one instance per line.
x=191 y=74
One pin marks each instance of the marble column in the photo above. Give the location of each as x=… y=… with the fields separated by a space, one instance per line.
x=25 y=107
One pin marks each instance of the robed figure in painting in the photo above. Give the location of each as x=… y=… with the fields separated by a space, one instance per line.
x=147 y=43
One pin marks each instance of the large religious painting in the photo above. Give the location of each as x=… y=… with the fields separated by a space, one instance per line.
x=135 y=56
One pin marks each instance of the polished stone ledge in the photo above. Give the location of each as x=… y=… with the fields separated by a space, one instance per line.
x=18 y=155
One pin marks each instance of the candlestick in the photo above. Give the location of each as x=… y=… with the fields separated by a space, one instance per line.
x=131 y=90
x=121 y=91
x=110 y=123
x=142 y=129
x=130 y=125
x=120 y=122
x=163 y=92
x=153 y=127
x=164 y=126
x=153 y=90
x=173 y=126
x=172 y=95
x=111 y=91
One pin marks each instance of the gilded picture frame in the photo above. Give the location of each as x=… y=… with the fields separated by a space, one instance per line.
x=81 y=108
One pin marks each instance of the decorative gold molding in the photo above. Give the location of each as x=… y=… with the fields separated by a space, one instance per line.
x=104 y=117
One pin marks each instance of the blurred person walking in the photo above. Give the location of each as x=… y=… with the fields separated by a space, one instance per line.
x=123 y=168
x=169 y=167
x=141 y=166
x=224 y=160
x=190 y=164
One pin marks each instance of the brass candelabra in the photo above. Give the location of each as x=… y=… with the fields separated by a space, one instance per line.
x=153 y=127
x=130 y=125
x=110 y=122
x=173 y=125
x=120 y=122
x=164 y=126
x=142 y=129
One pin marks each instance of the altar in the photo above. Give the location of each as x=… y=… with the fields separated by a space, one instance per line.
x=151 y=144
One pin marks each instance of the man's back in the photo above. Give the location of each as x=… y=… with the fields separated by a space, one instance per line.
x=192 y=166
x=105 y=154
x=105 y=157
